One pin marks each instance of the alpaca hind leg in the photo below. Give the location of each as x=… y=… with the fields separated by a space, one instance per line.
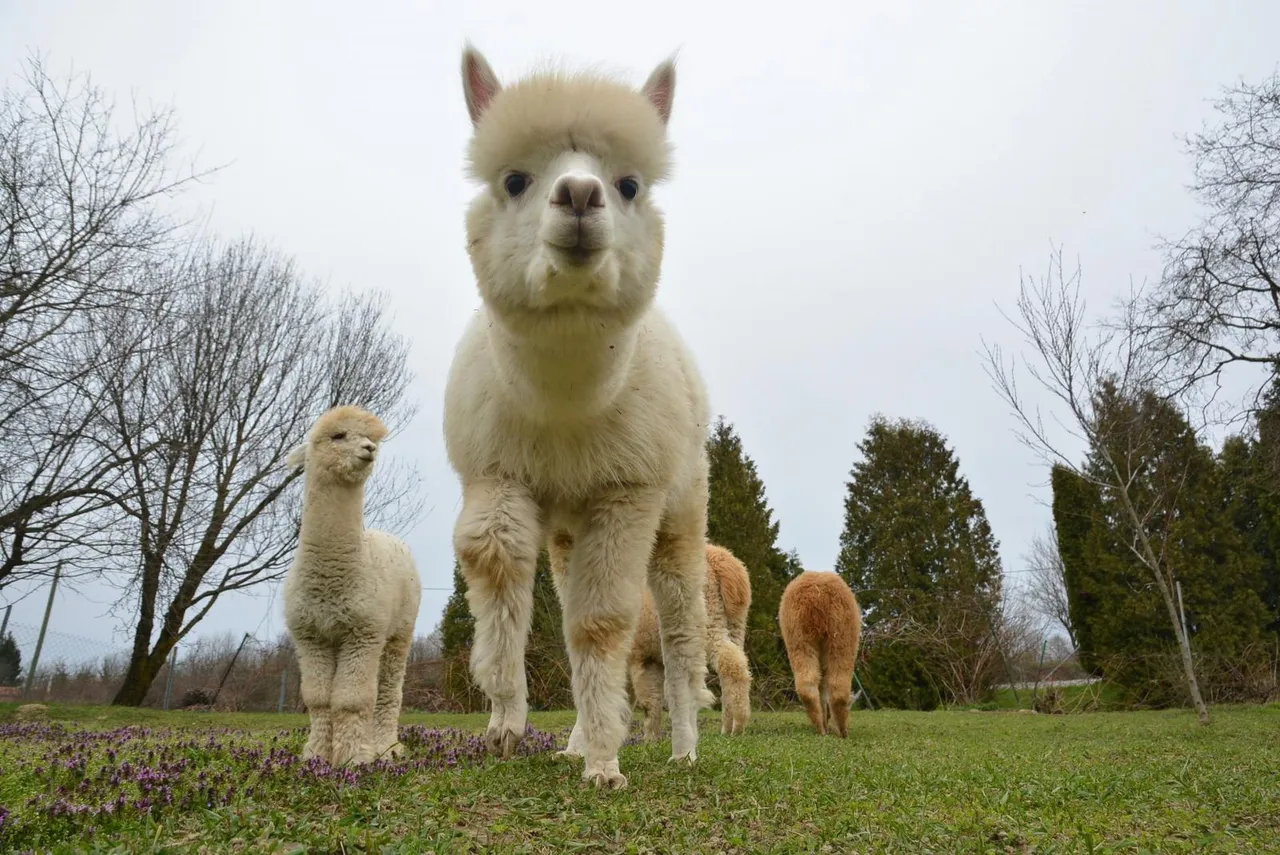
x=496 y=539
x=731 y=666
x=558 y=547
x=647 y=679
x=824 y=692
x=808 y=674
x=676 y=579
x=316 y=663
x=603 y=588
x=355 y=689
x=386 y=709
x=838 y=685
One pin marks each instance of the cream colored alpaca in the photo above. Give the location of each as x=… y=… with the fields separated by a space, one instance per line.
x=728 y=597
x=350 y=597
x=573 y=409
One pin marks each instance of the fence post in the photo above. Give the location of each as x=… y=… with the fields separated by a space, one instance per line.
x=168 y=683
x=4 y=625
x=44 y=625
x=284 y=676
x=227 y=673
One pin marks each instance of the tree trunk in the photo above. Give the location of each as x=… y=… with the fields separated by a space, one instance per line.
x=1184 y=645
x=138 y=676
x=137 y=681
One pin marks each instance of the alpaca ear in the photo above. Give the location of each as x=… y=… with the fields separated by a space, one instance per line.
x=297 y=458
x=660 y=88
x=479 y=83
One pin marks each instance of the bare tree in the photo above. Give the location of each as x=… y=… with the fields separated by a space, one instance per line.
x=1046 y=590
x=241 y=355
x=965 y=647
x=1218 y=304
x=1081 y=371
x=79 y=214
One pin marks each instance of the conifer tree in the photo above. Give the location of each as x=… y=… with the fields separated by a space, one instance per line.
x=1123 y=626
x=918 y=552
x=10 y=661
x=740 y=520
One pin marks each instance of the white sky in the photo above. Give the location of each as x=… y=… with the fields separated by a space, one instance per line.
x=856 y=184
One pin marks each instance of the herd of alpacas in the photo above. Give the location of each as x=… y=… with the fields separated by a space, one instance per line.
x=576 y=420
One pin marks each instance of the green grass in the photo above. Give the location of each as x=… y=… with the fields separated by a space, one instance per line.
x=902 y=782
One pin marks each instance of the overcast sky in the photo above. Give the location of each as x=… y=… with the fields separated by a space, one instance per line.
x=856 y=186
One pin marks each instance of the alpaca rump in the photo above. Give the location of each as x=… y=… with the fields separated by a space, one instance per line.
x=728 y=597
x=821 y=624
x=574 y=410
x=350 y=597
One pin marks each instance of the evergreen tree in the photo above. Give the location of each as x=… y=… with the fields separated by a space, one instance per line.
x=457 y=627
x=740 y=520
x=917 y=551
x=1251 y=475
x=1193 y=514
x=10 y=661
x=1076 y=510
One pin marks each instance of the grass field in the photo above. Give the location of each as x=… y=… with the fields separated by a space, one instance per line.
x=110 y=780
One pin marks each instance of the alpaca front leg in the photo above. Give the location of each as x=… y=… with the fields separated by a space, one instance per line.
x=386 y=709
x=676 y=579
x=496 y=539
x=559 y=546
x=355 y=689
x=603 y=591
x=316 y=663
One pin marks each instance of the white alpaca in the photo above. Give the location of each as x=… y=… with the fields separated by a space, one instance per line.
x=350 y=597
x=573 y=409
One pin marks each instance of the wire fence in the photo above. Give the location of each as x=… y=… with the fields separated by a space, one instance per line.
x=227 y=673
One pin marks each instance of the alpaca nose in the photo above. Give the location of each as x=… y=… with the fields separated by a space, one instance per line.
x=578 y=191
x=368 y=446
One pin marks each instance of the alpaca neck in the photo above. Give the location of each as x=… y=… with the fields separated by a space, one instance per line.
x=565 y=365
x=332 y=518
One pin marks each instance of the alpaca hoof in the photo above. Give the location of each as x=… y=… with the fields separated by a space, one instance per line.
x=569 y=753
x=652 y=738
x=501 y=742
x=607 y=777
x=685 y=759
x=353 y=754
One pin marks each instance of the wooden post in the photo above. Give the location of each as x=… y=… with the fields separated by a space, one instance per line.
x=168 y=683
x=44 y=625
x=227 y=673
x=284 y=676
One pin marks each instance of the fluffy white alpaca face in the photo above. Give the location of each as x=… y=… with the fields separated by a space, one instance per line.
x=568 y=161
x=342 y=446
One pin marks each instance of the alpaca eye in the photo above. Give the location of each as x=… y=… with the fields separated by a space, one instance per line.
x=628 y=187
x=515 y=183
x=342 y=435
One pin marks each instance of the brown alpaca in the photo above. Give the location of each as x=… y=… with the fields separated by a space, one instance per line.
x=821 y=624
x=728 y=597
